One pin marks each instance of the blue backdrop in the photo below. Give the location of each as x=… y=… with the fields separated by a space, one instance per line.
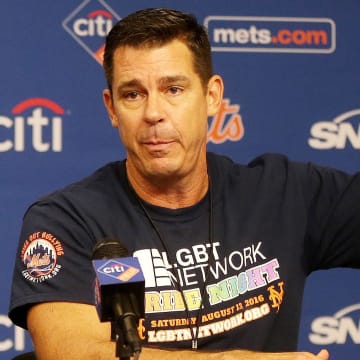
x=292 y=76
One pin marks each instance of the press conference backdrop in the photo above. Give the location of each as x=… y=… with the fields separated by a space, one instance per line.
x=292 y=76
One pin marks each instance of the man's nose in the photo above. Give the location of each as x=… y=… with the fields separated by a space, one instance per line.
x=153 y=111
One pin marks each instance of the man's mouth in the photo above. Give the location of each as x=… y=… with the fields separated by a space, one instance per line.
x=158 y=146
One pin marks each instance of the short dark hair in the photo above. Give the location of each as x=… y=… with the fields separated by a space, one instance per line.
x=154 y=27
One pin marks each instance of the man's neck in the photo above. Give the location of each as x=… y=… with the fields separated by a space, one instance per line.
x=172 y=193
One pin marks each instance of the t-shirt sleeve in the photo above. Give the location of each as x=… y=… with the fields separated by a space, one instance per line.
x=53 y=260
x=334 y=219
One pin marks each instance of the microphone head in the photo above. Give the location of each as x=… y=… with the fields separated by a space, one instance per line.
x=109 y=249
x=118 y=276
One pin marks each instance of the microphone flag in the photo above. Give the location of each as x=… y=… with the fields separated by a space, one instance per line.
x=118 y=276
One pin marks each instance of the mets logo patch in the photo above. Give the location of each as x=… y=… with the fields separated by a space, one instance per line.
x=39 y=255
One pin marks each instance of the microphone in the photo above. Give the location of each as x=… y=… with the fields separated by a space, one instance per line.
x=119 y=293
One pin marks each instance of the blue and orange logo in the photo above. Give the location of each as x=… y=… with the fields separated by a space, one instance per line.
x=118 y=270
x=89 y=24
x=271 y=34
x=39 y=255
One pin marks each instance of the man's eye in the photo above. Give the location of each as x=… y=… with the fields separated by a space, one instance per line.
x=175 y=90
x=131 y=95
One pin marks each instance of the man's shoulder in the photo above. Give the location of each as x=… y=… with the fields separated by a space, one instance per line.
x=101 y=184
x=224 y=162
x=268 y=168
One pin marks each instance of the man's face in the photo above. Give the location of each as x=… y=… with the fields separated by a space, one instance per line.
x=161 y=109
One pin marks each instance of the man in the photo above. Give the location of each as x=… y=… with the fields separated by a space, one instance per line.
x=225 y=248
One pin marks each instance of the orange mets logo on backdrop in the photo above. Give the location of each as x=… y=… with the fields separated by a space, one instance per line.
x=226 y=125
x=89 y=24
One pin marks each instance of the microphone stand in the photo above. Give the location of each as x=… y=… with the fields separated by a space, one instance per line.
x=124 y=332
x=123 y=349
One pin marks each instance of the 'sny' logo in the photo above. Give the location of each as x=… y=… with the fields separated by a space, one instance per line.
x=275 y=296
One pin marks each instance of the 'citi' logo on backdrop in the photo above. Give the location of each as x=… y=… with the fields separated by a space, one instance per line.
x=89 y=24
x=30 y=128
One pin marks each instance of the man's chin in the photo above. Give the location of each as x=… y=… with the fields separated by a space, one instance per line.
x=162 y=168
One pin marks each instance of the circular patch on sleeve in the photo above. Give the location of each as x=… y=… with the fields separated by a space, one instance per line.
x=40 y=254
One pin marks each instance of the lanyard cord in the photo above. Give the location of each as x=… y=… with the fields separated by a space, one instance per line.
x=194 y=331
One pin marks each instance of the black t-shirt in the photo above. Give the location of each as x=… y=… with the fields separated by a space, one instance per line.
x=254 y=240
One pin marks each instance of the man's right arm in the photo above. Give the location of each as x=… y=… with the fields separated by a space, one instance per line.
x=151 y=354
x=66 y=331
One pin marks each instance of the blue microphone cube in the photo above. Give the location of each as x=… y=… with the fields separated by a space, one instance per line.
x=120 y=277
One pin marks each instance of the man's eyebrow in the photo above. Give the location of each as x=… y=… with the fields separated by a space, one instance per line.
x=165 y=80
x=129 y=84
x=174 y=79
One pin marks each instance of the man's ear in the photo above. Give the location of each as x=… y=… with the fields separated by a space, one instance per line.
x=109 y=104
x=215 y=91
